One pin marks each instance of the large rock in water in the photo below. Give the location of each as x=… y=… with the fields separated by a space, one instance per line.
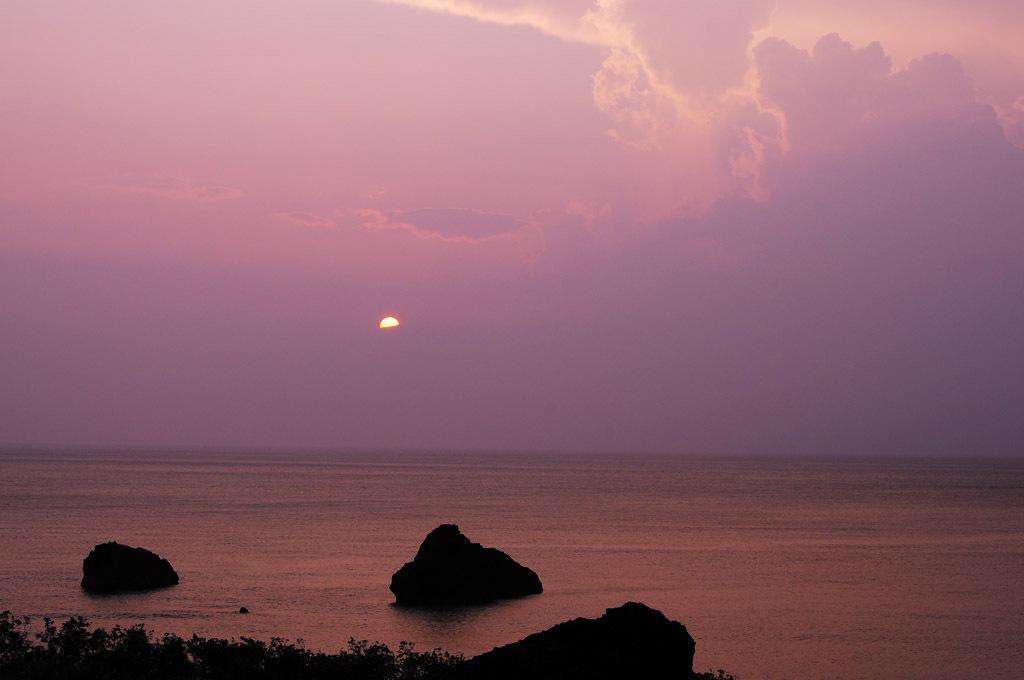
x=449 y=569
x=112 y=567
x=631 y=641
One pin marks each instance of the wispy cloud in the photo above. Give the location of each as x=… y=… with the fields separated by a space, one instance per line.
x=170 y=188
x=455 y=225
x=566 y=24
x=304 y=219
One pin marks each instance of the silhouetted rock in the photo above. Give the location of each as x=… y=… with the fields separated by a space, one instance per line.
x=112 y=567
x=243 y=610
x=449 y=569
x=631 y=641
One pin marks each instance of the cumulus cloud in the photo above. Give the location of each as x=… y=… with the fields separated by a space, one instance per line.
x=699 y=80
x=832 y=95
x=665 y=61
x=700 y=46
x=1012 y=118
x=871 y=305
x=810 y=244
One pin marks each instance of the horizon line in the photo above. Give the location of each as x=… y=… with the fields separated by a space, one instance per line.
x=9 y=448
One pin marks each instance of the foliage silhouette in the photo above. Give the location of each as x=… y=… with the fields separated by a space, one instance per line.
x=75 y=651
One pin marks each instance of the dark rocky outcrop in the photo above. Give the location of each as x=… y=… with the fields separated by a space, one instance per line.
x=449 y=569
x=112 y=567
x=631 y=641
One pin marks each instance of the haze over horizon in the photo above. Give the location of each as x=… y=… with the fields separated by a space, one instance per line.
x=714 y=226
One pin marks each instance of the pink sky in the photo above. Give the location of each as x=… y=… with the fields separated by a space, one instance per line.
x=712 y=225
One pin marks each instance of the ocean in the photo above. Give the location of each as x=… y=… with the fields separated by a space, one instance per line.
x=781 y=567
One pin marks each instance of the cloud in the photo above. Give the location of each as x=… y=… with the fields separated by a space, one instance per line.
x=171 y=188
x=702 y=84
x=871 y=305
x=1012 y=119
x=444 y=224
x=559 y=20
x=868 y=301
x=304 y=219
x=699 y=47
x=665 y=61
x=833 y=95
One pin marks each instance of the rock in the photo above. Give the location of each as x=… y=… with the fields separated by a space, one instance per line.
x=449 y=569
x=243 y=610
x=112 y=567
x=631 y=641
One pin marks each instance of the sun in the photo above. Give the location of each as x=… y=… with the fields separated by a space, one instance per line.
x=389 y=322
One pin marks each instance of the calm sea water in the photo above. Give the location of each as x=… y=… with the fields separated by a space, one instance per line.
x=780 y=568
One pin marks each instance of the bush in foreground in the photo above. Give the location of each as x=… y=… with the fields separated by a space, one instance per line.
x=74 y=651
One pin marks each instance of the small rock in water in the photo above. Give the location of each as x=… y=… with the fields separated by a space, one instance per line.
x=112 y=567
x=243 y=610
x=449 y=569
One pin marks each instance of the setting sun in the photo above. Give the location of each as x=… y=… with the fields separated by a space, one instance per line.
x=388 y=322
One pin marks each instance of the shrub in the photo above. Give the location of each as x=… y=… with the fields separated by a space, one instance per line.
x=74 y=651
